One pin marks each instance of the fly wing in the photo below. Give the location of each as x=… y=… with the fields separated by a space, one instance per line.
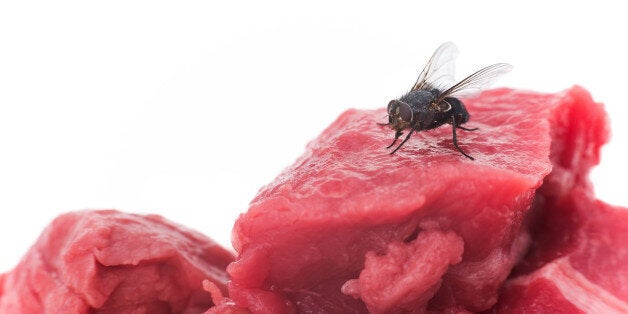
x=439 y=70
x=477 y=81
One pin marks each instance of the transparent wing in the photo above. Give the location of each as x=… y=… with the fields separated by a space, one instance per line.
x=439 y=70
x=477 y=81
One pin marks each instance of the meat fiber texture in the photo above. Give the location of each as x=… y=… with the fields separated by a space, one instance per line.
x=113 y=262
x=577 y=264
x=578 y=260
x=349 y=228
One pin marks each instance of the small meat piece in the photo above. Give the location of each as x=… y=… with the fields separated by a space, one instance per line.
x=343 y=229
x=222 y=304
x=113 y=262
x=403 y=279
x=578 y=262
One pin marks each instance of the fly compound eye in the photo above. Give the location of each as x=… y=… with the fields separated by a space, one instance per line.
x=404 y=111
x=391 y=107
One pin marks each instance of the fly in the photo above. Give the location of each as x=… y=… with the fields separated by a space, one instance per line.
x=433 y=101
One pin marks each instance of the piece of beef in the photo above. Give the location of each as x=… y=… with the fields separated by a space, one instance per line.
x=349 y=228
x=113 y=262
x=578 y=262
x=578 y=257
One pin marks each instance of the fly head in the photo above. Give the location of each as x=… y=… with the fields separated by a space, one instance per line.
x=400 y=115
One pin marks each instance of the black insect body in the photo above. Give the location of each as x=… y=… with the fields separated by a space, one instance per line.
x=431 y=103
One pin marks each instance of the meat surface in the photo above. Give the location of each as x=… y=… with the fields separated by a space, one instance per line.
x=578 y=257
x=113 y=262
x=349 y=228
x=578 y=263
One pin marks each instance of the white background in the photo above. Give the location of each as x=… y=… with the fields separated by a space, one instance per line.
x=187 y=109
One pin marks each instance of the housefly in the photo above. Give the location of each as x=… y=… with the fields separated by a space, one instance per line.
x=433 y=101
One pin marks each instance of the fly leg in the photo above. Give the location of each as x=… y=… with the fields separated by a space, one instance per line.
x=404 y=141
x=453 y=128
x=461 y=127
x=397 y=135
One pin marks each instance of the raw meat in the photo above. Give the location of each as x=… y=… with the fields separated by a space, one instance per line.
x=349 y=228
x=222 y=304
x=112 y=262
x=578 y=262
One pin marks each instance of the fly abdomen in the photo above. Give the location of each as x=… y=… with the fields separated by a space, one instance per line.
x=458 y=110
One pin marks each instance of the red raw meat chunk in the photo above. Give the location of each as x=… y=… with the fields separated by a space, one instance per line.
x=113 y=262
x=578 y=262
x=349 y=228
x=579 y=256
